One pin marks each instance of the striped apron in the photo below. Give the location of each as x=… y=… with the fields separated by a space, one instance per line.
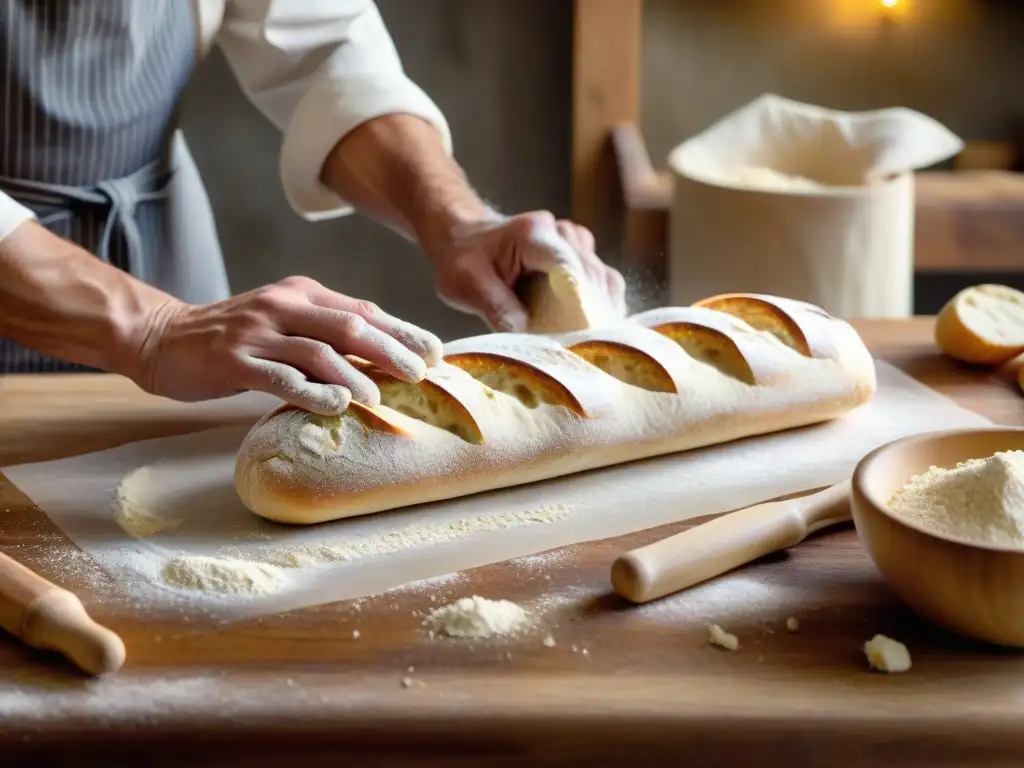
x=89 y=93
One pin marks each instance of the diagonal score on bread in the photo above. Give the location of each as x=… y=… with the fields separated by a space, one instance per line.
x=441 y=399
x=786 y=319
x=592 y=399
x=627 y=364
x=637 y=355
x=534 y=369
x=721 y=341
x=514 y=378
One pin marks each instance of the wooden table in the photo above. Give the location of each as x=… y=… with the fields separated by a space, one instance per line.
x=648 y=690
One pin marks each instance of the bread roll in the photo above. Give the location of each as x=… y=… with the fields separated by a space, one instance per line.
x=508 y=409
x=982 y=324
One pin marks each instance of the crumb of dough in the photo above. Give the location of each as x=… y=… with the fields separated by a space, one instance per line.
x=355 y=634
x=887 y=655
x=792 y=624
x=723 y=639
x=549 y=641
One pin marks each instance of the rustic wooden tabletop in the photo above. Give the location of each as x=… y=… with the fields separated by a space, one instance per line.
x=623 y=684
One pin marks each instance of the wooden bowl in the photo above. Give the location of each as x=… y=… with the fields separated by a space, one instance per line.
x=976 y=590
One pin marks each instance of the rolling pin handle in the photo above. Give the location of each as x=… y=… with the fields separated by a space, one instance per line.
x=713 y=548
x=57 y=621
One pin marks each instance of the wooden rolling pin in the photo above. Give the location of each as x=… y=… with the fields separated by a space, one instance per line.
x=50 y=618
x=727 y=542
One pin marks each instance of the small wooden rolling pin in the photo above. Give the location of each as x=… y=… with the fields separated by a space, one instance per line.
x=727 y=542
x=50 y=618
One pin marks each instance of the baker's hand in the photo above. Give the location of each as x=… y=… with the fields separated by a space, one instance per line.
x=287 y=339
x=478 y=266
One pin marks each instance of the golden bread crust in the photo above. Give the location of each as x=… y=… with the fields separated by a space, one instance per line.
x=296 y=467
x=982 y=325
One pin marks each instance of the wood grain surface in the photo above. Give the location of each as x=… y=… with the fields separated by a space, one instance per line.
x=623 y=684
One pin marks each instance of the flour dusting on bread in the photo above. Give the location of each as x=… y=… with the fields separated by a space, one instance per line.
x=511 y=409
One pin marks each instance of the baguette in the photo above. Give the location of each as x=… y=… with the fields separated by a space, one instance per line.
x=508 y=409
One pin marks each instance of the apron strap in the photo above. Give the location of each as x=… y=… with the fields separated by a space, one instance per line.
x=119 y=197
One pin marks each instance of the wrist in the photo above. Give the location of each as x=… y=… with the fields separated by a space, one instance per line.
x=136 y=330
x=396 y=170
x=443 y=221
x=61 y=300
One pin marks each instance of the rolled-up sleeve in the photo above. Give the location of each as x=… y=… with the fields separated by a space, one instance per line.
x=12 y=215
x=317 y=69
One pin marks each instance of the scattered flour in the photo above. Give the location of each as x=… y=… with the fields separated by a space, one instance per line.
x=109 y=697
x=979 y=500
x=136 y=517
x=727 y=596
x=412 y=537
x=477 y=617
x=223 y=576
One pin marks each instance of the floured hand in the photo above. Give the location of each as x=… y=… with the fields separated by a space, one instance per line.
x=479 y=266
x=287 y=339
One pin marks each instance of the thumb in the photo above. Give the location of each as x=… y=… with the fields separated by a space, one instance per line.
x=498 y=304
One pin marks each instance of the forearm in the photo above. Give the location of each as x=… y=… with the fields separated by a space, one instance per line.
x=61 y=300
x=395 y=170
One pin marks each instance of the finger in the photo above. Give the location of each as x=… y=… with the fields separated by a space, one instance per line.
x=544 y=248
x=290 y=385
x=586 y=237
x=616 y=289
x=422 y=343
x=321 y=363
x=592 y=267
x=492 y=299
x=568 y=232
x=350 y=334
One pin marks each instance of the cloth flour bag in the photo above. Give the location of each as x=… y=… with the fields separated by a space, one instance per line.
x=800 y=201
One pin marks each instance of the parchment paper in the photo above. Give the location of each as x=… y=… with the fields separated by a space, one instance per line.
x=194 y=480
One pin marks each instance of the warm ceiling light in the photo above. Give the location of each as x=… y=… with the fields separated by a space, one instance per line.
x=889 y=3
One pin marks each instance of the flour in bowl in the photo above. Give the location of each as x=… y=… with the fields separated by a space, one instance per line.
x=979 y=500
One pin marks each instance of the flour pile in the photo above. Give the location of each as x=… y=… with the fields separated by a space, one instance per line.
x=979 y=500
x=477 y=617
x=223 y=576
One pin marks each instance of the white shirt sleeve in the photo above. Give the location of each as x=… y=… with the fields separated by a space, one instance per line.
x=12 y=215
x=317 y=69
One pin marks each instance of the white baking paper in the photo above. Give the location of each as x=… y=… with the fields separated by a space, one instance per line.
x=793 y=199
x=193 y=480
